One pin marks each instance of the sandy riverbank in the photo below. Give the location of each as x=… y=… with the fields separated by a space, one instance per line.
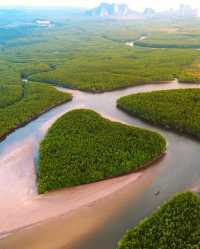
x=41 y=208
x=23 y=207
x=74 y=212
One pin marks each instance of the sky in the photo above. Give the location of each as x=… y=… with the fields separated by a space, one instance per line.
x=134 y=4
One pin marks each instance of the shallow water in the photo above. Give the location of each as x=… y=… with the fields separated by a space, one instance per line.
x=102 y=224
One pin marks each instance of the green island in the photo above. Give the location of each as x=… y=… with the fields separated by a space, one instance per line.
x=20 y=103
x=175 y=225
x=83 y=147
x=172 y=109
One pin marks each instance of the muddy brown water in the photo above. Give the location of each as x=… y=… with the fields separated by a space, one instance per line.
x=101 y=223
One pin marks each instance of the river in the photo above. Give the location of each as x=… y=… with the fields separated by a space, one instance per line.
x=72 y=218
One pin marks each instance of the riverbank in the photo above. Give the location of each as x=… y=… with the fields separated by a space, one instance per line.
x=104 y=198
x=24 y=207
x=183 y=106
x=58 y=85
x=40 y=208
x=39 y=99
x=32 y=119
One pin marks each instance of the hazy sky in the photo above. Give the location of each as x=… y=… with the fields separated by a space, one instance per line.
x=134 y=4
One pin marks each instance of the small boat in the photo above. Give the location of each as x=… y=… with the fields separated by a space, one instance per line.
x=157 y=193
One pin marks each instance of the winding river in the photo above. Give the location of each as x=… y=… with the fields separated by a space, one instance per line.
x=93 y=216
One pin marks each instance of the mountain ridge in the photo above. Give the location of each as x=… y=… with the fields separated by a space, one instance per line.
x=113 y=9
x=123 y=10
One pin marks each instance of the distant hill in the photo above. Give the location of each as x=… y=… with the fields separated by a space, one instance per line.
x=149 y=12
x=122 y=10
x=109 y=10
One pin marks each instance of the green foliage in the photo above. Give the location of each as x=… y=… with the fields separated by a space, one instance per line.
x=9 y=94
x=107 y=70
x=176 y=225
x=36 y=99
x=35 y=68
x=19 y=101
x=175 y=109
x=177 y=40
x=82 y=147
x=90 y=56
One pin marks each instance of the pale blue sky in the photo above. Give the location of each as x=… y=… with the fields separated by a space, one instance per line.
x=134 y=4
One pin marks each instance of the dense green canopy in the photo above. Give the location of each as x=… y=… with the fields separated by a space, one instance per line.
x=83 y=147
x=91 y=56
x=176 y=225
x=20 y=105
x=178 y=110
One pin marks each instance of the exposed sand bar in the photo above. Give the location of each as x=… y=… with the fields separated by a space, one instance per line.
x=25 y=212
x=97 y=203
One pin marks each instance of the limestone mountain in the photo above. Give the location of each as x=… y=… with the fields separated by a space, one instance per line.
x=106 y=10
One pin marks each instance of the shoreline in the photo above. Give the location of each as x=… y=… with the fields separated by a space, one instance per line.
x=6 y=134
x=43 y=207
x=68 y=86
x=90 y=194
x=113 y=197
x=99 y=190
x=167 y=128
x=96 y=192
